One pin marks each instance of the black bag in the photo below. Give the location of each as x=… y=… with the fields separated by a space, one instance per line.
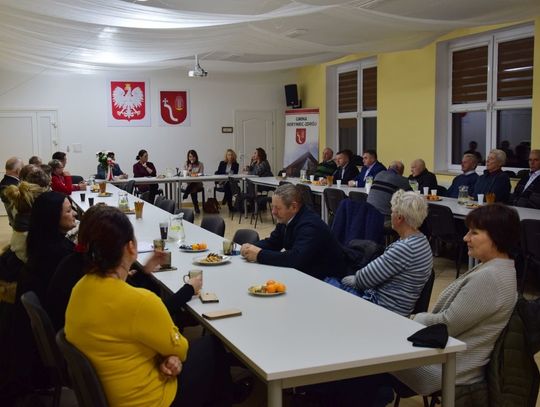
x=211 y=206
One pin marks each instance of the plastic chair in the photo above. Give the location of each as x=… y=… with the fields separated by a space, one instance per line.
x=530 y=236
x=43 y=331
x=239 y=198
x=85 y=380
x=441 y=227
x=358 y=196
x=307 y=195
x=242 y=236
x=166 y=204
x=189 y=214
x=332 y=198
x=214 y=224
x=130 y=186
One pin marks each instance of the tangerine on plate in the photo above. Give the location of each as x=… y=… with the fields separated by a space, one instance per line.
x=270 y=282
x=271 y=288
x=280 y=287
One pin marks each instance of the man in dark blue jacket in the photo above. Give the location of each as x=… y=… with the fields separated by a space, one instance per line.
x=467 y=178
x=494 y=180
x=370 y=168
x=307 y=240
x=346 y=170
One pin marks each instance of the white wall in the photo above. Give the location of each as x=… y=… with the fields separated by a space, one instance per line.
x=82 y=114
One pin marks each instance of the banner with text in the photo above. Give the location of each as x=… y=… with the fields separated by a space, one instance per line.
x=301 y=141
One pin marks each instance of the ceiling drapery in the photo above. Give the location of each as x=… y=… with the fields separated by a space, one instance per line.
x=234 y=35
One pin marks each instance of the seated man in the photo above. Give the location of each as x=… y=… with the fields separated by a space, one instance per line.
x=346 y=171
x=396 y=279
x=494 y=180
x=386 y=183
x=327 y=166
x=11 y=177
x=468 y=178
x=116 y=171
x=370 y=168
x=420 y=174
x=307 y=240
x=529 y=185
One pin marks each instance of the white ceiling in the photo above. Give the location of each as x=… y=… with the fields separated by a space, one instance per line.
x=228 y=35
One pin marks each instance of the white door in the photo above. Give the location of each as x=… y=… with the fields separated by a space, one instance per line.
x=24 y=133
x=254 y=129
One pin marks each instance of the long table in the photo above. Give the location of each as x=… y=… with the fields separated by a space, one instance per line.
x=459 y=211
x=173 y=185
x=314 y=333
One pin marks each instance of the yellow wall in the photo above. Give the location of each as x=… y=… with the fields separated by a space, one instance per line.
x=406 y=98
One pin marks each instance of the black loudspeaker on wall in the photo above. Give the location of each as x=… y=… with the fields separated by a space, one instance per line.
x=291 y=96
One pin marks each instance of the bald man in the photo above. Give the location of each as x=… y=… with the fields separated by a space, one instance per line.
x=327 y=166
x=13 y=168
x=420 y=174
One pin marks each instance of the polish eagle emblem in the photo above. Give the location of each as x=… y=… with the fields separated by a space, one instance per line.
x=128 y=101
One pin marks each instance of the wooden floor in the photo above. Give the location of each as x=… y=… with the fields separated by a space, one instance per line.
x=444 y=272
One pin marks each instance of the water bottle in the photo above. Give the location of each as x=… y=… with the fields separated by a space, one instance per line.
x=176 y=229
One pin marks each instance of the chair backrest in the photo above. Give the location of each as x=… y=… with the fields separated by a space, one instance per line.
x=242 y=236
x=130 y=186
x=43 y=331
x=83 y=376
x=307 y=195
x=440 y=221
x=332 y=198
x=145 y=196
x=523 y=173
x=422 y=304
x=530 y=236
x=167 y=205
x=358 y=196
x=234 y=183
x=214 y=224
x=158 y=199
x=511 y=174
x=441 y=191
x=189 y=214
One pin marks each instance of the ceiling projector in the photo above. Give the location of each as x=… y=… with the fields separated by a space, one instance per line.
x=198 y=70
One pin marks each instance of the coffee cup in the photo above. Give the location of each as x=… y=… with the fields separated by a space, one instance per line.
x=227 y=247
x=83 y=197
x=192 y=274
x=91 y=200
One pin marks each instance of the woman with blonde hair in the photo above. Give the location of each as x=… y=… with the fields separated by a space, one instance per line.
x=22 y=198
x=228 y=166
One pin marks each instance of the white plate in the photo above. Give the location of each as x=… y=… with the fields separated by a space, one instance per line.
x=201 y=260
x=185 y=249
x=252 y=291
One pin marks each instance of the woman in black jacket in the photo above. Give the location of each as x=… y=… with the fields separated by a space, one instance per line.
x=228 y=166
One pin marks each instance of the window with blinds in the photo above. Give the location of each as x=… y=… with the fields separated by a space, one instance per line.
x=348 y=92
x=369 y=88
x=470 y=75
x=515 y=69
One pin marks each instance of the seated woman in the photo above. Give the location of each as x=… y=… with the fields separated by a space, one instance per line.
x=395 y=279
x=116 y=171
x=259 y=164
x=51 y=218
x=144 y=168
x=477 y=306
x=108 y=320
x=61 y=182
x=22 y=198
x=74 y=266
x=227 y=167
x=193 y=166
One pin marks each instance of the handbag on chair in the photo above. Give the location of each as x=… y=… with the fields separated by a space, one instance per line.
x=211 y=206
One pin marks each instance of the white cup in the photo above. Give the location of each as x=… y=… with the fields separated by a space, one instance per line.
x=480 y=199
x=367 y=187
x=284 y=174
x=312 y=178
x=184 y=173
x=434 y=192
x=338 y=183
x=426 y=190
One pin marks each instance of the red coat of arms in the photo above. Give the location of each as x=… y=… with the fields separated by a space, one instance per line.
x=128 y=100
x=174 y=107
x=300 y=136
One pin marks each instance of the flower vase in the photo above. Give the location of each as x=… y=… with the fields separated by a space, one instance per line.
x=109 y=173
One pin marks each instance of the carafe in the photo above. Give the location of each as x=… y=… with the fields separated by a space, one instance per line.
x=123 y=203
x=463 y=195
x=176 y=229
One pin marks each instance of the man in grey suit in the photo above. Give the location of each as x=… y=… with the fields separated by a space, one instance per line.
x=385 y=184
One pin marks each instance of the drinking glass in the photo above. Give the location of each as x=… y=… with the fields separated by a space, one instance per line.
x=414 y=184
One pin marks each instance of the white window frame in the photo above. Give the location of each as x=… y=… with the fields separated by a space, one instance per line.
x=360 y=114
x=492 y=105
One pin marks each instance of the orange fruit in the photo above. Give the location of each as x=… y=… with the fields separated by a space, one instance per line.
x=280 y=287
x=195 y=246
x=271 y=288
x=270 y=282
x=203 y=246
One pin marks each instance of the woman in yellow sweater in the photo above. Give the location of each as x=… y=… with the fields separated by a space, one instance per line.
x=127 y=333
